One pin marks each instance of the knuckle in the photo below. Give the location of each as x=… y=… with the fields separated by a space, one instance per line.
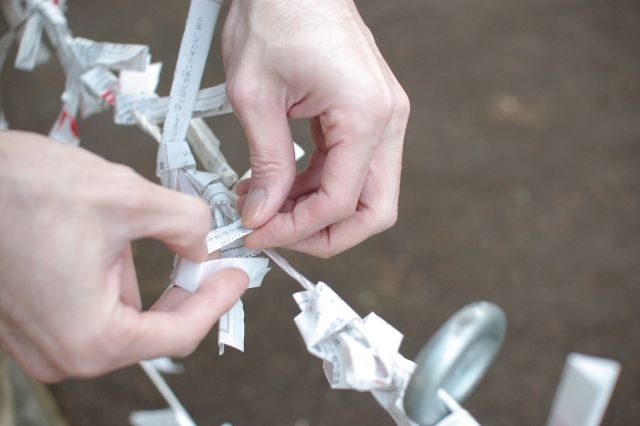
x=403 y=104
x=380 y=105
x=330 y=248
x=344 y=206
x=270 y=164
x=124 y=189
x=386 y=220
x=336 y=118
x=125 y=178
x=390 y=220
x=342 y=124
x=386 y=106
x=242 y=94
x=328 y=253
x=200 y=212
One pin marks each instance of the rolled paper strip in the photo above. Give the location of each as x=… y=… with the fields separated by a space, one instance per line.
x=206 y=147
x=192 y=57
x=210 y=101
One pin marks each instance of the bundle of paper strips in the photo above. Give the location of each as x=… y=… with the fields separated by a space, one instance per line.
x=358 y=353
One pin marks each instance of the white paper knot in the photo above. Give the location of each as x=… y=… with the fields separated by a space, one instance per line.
x=360 y=354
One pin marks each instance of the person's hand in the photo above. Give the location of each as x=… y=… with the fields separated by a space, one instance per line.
x=69 y=298
x=314 y=59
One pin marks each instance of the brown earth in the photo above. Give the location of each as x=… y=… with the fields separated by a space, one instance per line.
x=521 y=186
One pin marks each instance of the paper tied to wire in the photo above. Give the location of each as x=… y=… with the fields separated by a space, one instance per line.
x=192 y=57
x=362 y=353
x=209 y=102
x=357 y=353
x=225 y=238
x=91 y=85
x=138 y=103
x=34 y=16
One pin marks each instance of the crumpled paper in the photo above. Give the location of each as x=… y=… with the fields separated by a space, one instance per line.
x=89 y=66
x=357 y=353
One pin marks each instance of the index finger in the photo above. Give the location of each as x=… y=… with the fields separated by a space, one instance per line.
x=343 y=176
x=145 y=209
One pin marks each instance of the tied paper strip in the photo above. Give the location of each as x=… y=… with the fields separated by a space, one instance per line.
x=5 y=44
x=174 y=153
x=227 y=239
x=137 y=91
x=358 y=353
x=31 y=52
x=89 y=66
x=209 y=102
x=176 y=165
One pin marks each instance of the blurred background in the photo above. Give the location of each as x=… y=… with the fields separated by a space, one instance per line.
x=520 y=186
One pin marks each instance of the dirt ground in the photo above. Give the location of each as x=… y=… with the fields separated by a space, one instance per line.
x=521 y=186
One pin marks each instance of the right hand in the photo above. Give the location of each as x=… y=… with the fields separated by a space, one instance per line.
x=317 y=60
x=69 y=298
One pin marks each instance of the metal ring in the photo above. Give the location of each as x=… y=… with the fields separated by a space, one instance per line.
x=455 y=359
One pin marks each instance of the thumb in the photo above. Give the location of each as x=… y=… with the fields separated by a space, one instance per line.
x=178 y=330
x=272 y=161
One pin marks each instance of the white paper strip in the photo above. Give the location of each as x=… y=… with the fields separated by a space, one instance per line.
x=584 y=391
x=134 y=82
x=209 y=102
x=231 y=328
x=190 y=275
x=192 y=58
x=166 y=365
x=206 y=147
x=180 y=415
x=164 y=417
x=30 y=45
x=223 y=236
x=357 y=354
x=459 y=416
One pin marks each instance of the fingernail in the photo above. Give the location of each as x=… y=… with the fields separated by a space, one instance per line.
x=241 y=202
x=242 y=187
x=253 y=206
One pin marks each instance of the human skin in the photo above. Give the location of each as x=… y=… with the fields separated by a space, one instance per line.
x=314 y=59
x=69 y=298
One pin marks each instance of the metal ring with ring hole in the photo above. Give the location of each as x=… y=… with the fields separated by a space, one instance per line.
x=455 y=359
